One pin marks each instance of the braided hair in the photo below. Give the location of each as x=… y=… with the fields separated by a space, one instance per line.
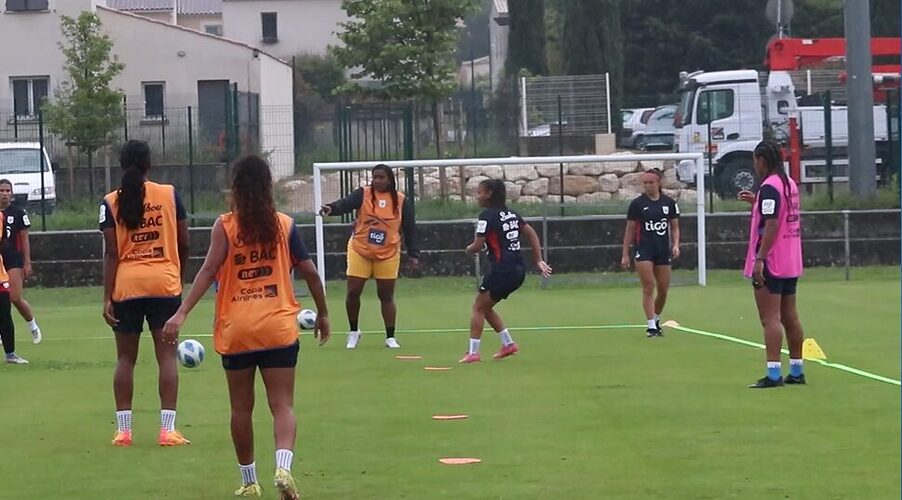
x=773 y=157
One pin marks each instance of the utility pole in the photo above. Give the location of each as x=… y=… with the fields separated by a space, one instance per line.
x=859 y=89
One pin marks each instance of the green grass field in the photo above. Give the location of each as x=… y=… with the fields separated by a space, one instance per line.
x=579 y=414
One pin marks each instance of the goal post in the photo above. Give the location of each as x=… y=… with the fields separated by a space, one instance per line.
x=322 y=168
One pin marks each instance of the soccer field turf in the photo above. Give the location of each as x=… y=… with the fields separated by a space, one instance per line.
x=584 y=413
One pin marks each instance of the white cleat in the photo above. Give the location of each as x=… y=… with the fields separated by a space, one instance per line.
x=392 y=343
x=14 y=359
x=36 y=336
x=353 y=338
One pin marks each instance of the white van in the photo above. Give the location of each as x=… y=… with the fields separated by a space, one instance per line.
x=20 y=163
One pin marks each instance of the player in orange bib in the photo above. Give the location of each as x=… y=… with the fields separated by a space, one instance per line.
x=7 y=327
x=252 y=251
x=374 y=249
x=145 y=233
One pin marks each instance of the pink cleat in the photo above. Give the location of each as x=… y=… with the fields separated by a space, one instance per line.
x=508 y=350
x=470 y=358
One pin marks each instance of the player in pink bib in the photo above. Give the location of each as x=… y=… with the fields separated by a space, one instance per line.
x=774 y=263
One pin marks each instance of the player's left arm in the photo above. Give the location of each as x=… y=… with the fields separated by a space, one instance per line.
x=25 y=244
x=675 y=230
x=536 y=247
x=183 y=235
x=303 y=266
x=477 y=245
x=482 y=227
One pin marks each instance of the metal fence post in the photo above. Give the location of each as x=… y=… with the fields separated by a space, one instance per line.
x=828 y=142
x=560 y=146
x=191 y=159
x=845 y=224
x=41 y=139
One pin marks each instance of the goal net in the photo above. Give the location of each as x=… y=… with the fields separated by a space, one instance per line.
x=577 y=205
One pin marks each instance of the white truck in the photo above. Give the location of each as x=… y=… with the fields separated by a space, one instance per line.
x=733 y=105
x=20 y=163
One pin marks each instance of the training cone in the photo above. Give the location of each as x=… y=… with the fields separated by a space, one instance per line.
x=810 y=350
x=670 y=324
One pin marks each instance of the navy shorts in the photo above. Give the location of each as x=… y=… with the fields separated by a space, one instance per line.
x=659 y=255
x=779 y=286
x=500 y=283
x=279 y=357
x=13 y=259
x=132 y=313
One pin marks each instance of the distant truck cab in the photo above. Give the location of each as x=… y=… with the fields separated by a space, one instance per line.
x=25 y=165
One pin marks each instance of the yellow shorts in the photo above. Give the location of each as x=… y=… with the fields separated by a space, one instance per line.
x=362 y=267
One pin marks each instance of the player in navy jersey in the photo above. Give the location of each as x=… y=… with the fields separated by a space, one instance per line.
x=653 y=234
x=498 y=230
x=17 y=255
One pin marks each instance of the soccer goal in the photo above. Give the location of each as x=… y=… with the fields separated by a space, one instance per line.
x=587 y=189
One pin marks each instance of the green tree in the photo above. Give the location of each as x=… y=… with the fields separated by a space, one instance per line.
x=406 y=46
x=526 y=39
x=592 y=41
x=86 y=110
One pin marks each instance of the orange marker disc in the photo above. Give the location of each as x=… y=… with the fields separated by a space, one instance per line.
x=449 y=417
x=437 y=368
x=408 y=357
x=460 y=461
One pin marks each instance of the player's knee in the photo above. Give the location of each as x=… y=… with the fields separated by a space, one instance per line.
x=648 y=288
x=386 y=296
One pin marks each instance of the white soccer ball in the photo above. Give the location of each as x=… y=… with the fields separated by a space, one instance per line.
x=306 y=319
x=190 y=353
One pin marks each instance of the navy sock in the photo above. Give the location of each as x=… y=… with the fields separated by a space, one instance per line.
x=389 y=332
x=353 y=325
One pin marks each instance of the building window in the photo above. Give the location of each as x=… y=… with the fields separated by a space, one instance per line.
x=27 y=5
x=270 y=27
x=153 y=100
x=213 y=29
x=28 y=94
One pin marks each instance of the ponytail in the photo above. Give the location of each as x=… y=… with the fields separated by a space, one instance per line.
x=135 y=162
x=773 y=157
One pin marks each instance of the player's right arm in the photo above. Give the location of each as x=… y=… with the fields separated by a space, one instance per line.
x=110 y=261
x=632 y=218
x=304 y=268
x=345 y=205
x=216 y=256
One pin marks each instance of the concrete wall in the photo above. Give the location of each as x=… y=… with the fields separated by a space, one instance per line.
x=304 y=26
x=574 y=245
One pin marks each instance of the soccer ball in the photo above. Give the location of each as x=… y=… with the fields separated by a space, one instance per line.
x=306 y=319
x=190 y=353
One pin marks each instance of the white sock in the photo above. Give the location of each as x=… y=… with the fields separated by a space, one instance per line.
x=506 y=339
x=657 y=317
x=32 y=325
x=248 y=473
x=652 y=325
x=474 y=346
x=124 y=419
x=167 y=420
x=283 y=459
x=796 y=362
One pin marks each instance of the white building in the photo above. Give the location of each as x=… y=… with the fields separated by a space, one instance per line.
x=200 y=15
x=499 y=29
x=284 y=28
x=167 y=69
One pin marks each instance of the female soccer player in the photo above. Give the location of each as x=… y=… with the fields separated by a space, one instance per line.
x=145 y=233
x=7 y=328
x=774 y=263
x=252 y=251
x=17 y=255
x=498 y=230
x=653 y=232
x=374 y=249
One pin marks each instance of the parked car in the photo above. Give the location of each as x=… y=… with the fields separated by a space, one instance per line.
x=20 y=163
x=659 y=131
x=634 y=121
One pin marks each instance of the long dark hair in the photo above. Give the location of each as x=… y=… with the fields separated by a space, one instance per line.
x=393 y=186
x=252 y=202
x=773 y=157
x=498 y=198
x=134 y=158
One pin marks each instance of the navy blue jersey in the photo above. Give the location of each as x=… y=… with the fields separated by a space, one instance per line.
x=501 y=229
x=652 y=219
x=16 y=222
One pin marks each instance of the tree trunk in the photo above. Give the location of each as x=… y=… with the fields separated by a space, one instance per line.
x=438 y=122
x=106 y=168
x=70 y=164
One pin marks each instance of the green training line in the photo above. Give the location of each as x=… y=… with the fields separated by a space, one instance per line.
x=847 y=369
